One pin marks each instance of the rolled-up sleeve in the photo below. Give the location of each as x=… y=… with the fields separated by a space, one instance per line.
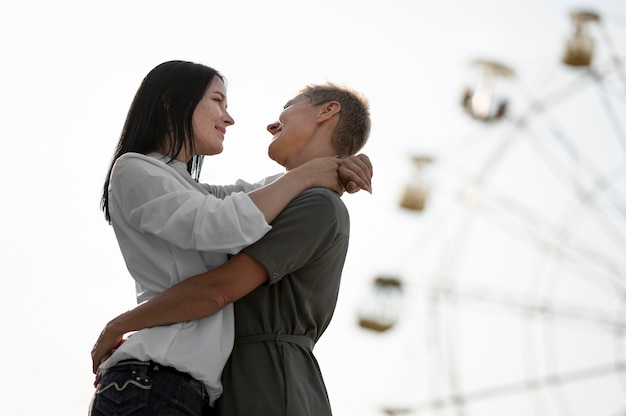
x=154 y=200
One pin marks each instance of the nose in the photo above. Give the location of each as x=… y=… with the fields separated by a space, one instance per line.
x=272 y=128
x=228 y=119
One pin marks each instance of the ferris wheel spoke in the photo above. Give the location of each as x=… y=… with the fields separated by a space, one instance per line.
x=614 y=55
x=522 y=386
x=547 y=235
x=540 y=308
x=612 y=116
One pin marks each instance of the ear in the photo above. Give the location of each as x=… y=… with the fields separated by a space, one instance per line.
x=328 y=110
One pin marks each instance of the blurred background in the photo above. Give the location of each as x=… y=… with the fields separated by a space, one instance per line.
x=486 y=273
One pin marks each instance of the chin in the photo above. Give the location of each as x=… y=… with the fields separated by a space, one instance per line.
x=281 y=163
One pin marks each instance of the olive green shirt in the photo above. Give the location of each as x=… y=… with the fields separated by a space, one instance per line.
x=272 y=370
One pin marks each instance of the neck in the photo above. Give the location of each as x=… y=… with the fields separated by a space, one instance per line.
x=316 y=147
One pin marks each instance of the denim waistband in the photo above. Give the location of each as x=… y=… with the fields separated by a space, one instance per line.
x=128 y=365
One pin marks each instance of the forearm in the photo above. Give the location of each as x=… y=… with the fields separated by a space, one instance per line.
x=273 y=198
x=194 y=298
x=177 y=304
x=199 y=296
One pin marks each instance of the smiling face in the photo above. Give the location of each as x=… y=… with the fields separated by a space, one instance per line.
x=296 y=125
x=210 y=119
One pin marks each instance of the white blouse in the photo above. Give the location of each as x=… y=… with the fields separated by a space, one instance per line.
x=170 y=228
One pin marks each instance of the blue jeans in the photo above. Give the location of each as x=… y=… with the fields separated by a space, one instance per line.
x=141 y=388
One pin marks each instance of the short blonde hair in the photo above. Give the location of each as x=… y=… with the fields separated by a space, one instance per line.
x=353 y=128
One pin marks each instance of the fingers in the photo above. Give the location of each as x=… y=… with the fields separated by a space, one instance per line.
x=361 y=162
x=97 y=359
x=104 y=347
x=94 y=362
x=353 y=182
x=365 y=163
x=98 y=378
x=352 y=187
x=357 y=171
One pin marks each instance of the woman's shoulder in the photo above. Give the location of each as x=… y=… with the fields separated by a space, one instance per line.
x=134 y=163
x=140 y=158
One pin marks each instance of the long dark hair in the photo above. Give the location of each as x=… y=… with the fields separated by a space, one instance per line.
x=160 y=115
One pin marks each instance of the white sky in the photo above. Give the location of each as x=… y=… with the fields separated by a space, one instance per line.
x=70 y=70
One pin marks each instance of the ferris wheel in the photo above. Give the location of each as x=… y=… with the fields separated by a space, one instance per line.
x=525 y=303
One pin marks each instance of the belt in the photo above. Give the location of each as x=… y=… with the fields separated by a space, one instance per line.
x=301 y=340
x=129 y=365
